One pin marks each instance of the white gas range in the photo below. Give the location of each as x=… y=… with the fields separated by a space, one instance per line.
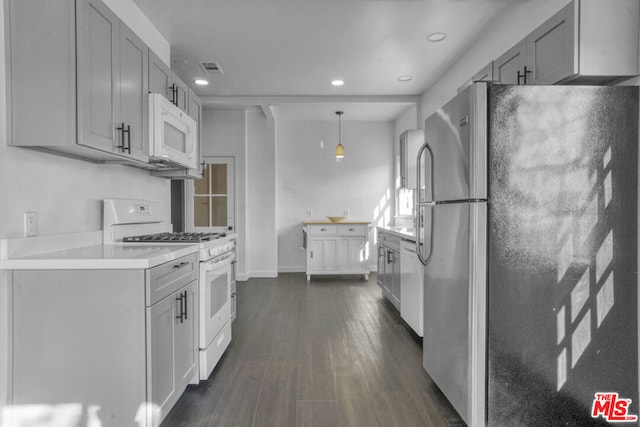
x=135 y=222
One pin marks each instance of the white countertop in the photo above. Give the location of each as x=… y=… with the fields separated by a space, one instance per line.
x=101 y=257
x=402 y=232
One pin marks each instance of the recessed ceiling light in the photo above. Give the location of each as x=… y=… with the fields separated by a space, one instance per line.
x=337 y=82
x=201 y=82
x=405 y=78
x=436 y=37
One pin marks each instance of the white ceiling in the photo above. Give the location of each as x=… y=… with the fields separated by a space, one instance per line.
x=357 y=111
x=296 y=47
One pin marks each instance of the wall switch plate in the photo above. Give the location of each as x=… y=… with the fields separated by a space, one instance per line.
x=309 y=213
x=345 y=212
x=30 y=224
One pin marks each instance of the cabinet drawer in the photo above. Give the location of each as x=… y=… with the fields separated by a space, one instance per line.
x=352 y=229
x=171 y=276
x=322 y=229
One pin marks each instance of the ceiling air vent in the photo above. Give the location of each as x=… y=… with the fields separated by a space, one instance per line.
x=211 y=67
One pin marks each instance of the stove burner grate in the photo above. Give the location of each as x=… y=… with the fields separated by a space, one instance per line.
x=183 y=237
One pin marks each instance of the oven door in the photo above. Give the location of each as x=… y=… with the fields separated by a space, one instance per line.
x=215 y=297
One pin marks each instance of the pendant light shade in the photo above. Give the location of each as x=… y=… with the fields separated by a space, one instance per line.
x=339 y=147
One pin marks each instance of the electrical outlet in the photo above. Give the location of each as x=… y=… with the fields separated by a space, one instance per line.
x=309 y=213
x=30 y=224
x=345 y=212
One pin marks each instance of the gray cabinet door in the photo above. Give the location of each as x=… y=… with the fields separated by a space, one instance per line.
x=382 y=257
x=98 y=30
x=134 y=105
x=36 y=93
x=159 y=76
x=553 y=49
x=162 y=389
x=195 y=112
x=395 y=279
x=510 y=63
x=186 y=340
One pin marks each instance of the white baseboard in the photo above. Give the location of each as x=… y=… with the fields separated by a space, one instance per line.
x=292 y=269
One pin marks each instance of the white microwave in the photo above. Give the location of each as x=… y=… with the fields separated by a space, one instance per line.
x=172 y=135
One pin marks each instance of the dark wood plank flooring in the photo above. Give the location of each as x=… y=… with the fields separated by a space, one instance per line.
x=330 y=352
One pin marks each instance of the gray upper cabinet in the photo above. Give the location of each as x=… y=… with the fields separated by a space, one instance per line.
x=195 y=112
x=164 y=81
x=180 y=93
x=98 y=74
x=510 y=66
x=588 y=41
x=159 y=76
x=484 y=75
x=112 y=83
x=95 y=79
x=134 y=99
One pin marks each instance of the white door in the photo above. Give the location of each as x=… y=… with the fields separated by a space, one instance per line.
x=210 y=201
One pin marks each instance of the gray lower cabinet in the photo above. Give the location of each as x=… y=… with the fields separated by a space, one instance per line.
x=106 y=347
x=389 y=273
x=81 y=76
x=171 y=342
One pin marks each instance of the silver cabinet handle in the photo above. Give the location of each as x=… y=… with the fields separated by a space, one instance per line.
x=323 y=229
x=352 y=229
x=182 y=264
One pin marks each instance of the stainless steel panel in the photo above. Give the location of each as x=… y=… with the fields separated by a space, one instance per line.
x=563 y=300
x=454 y=309
x=456 y=135
x=423 y=232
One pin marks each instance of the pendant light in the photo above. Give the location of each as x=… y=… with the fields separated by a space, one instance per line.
x=339 y=147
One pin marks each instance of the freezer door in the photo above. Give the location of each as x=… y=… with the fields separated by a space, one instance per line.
x=457 y=139
x=455 y=290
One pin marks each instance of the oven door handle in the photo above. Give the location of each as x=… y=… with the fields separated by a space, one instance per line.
x=215 y=264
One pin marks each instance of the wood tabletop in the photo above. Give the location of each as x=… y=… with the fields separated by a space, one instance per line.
x=326 y=221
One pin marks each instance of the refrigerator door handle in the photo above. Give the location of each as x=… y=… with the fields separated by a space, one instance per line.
x=420 y=201
x=419 y=226
x=425 y=147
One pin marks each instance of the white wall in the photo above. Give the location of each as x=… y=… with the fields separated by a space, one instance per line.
x=249 y=137
x=224 y=135
x=262 y=251
x=66 y=193
x=310 y=178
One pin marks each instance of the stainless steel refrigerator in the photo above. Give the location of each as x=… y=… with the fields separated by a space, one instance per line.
x=527 y=213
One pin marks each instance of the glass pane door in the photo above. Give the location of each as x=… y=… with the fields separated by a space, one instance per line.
x=210 y=200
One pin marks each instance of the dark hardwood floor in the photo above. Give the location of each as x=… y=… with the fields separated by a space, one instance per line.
x=330 y=352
